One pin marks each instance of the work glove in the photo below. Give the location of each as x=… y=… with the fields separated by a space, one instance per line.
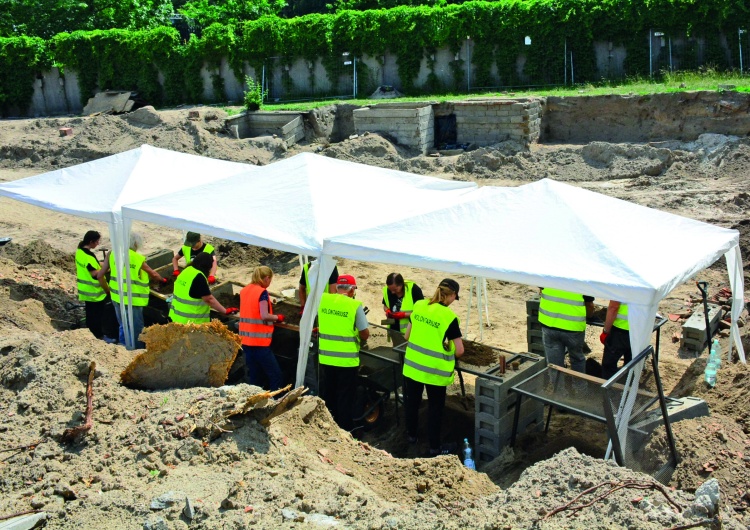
x=398 y=315
x=300 y=312
x=163 y=281
x=315 y=330
x=176 y=273
x=232 y=310
x=280 y=319
x=211 y=280
x=388 y=313
x=603 y=337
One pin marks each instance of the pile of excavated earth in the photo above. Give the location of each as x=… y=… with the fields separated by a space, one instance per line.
x=235 y=456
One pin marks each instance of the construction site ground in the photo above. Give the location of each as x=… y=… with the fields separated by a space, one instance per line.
x=150 y=450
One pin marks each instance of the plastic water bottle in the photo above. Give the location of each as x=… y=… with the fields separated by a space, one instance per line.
x=715 y=354
x=709 y=374
x=468 y=459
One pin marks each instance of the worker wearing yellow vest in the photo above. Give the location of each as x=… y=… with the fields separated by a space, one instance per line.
x=342 y=326
x=616 y=338
x=256 y=330
x=192 y=300
x=91 y=283
x=192 y=247
x=562 y=315
x=304 y=284
x=434 y=342
x=139 y=275
x=398 y=301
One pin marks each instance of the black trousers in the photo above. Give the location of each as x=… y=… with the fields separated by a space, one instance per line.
x=617 y=346
x=95 y=317
x=338 y=393
x=435 y=406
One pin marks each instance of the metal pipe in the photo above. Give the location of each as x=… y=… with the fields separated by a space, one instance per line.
x=572 y=71
x=739 y=37
x=565 y=61
x=670 y=54
x=650 y=55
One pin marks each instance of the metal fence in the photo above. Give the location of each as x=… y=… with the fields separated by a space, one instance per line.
x=344 y=75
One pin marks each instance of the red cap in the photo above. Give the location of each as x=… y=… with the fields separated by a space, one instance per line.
x=346 y=279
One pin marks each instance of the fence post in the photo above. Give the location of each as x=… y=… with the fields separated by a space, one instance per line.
x=263 y=87
x=739 y=37
x=354 y=80
x=650 y=56
x=565 y=62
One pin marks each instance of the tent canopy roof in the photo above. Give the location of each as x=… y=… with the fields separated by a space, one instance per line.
x=549 y=234
x=97 y=189
x=295 y=204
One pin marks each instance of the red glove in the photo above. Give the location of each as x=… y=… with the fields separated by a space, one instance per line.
x=315 y=330
x=603 y=337
x=280 y=319
x=232 y=310
x=301 y=311
x=176 y=273
x=388 y=313
x=211 y=280
x=398 y=315
x=163 y=281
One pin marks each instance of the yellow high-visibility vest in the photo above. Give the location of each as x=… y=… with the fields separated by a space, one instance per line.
x=339 y=337
x=427 y=360
x=138 y=280
x=407 y=303
x=185 y=309
x=89 y=288
x=562 y=310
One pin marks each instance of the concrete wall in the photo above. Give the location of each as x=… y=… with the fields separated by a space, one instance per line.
x=413 y=127
x=486 y=122
x=289 y=126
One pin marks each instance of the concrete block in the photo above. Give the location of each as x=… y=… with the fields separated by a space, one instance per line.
x=532 y=307
x=694 y=327
x=66 y=131
x=686 y=408
x=194 y=115
x=534 y=336
x=494 y=443
x=504 y=424
x=160 y=258
x=533 y=323
x=492 y=397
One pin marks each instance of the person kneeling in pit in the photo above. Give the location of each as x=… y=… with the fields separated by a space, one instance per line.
x=192 y=300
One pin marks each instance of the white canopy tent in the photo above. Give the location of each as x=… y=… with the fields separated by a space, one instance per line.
x=554 y=235
x=295 y=204
x=97 y=189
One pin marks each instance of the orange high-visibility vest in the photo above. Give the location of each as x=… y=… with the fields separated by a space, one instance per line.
x=253 y=330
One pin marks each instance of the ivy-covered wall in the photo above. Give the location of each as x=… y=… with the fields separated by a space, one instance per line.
x=415 y=36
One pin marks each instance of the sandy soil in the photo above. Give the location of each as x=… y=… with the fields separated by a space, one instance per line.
x=149 y=451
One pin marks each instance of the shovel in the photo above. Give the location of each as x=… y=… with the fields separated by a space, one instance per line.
x=703 y=288
x=463 y=388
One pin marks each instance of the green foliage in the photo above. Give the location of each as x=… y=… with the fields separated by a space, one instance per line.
x=248 y=35
x=117 y=59
x=254 y=95
x=46 y=18
x=21 y=60
x=232 y=12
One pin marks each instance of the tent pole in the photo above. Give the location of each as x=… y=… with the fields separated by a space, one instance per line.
x=479 y=308
x=468 y=308
x=486 y=302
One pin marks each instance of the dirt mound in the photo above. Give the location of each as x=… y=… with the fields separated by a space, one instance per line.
x=710 y=447
x=371 y=149
x=37 y=298
x=232 y=254
x=731 y=395
x=39 y=252
x=99 y=136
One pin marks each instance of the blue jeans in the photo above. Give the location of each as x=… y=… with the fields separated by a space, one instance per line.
x=260 y=360
x=137 y=325
x=556 y=341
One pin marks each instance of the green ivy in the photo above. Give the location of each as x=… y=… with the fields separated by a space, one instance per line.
x=412 y=33
x=21 y=60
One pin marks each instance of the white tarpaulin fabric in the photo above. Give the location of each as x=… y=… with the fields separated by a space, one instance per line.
x=295 y=204
x=97 y=189
x=555 y=235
